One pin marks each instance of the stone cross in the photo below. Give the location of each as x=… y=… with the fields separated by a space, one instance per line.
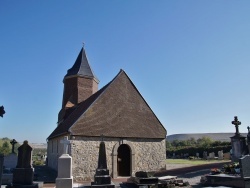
x=236 y=123
x=65 y=143
x=13 y=142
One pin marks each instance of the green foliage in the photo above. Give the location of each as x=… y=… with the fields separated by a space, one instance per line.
x=204 y=142
x=192 y=146
x=38 y=154
x=6 y=147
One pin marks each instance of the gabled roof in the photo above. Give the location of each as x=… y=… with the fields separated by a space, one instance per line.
x=117 y=110
x=81 y=67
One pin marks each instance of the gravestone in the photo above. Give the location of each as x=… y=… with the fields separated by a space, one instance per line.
x=227 y=156
x=1 y=167
x=10 y=160
x=238 y=142
x=102 y=178
x=245 y=170
x=205 y=155
x=248 y=139
x=197 y=155
x=64 y=178
x=24 y=172
x=220 y=155
x=211 y=155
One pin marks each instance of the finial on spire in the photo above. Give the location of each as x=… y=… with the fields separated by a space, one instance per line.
x=83 y=45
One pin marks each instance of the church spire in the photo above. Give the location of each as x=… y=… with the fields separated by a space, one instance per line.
x=81 y=67
x=80 y=83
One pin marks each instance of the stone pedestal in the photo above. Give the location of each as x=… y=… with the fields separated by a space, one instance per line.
x=23 y=176
x=238 y=147
x=65 y=178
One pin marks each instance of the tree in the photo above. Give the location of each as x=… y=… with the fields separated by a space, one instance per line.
x=191 y=142
x=5 y=149
x=204 y=142
x=2 y=112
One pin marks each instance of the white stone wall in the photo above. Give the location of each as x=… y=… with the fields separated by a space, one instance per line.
x=54 y=151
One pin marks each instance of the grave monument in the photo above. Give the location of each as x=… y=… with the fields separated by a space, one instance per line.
x=64 y=178
x=238 y=142
x=102 y=178
x=2 y=112
x=24 y=172
x=10 y=160
x=248 y=139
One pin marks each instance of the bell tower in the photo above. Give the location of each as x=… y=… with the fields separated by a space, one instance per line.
x=80 y=83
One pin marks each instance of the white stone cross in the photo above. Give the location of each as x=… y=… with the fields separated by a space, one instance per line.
x=65 y=143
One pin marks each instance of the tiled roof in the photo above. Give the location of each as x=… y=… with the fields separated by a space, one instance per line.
x=117 y=110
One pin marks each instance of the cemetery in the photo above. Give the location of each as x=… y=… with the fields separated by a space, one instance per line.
x=93 y=144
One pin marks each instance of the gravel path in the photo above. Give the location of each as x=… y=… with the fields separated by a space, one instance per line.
x=189 y=173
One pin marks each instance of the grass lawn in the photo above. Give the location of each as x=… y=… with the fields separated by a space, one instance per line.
x=193 y=161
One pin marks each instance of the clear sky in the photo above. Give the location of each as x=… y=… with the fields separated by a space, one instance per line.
x=190 y=60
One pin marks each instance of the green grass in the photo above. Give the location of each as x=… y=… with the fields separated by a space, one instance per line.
x=193 y=161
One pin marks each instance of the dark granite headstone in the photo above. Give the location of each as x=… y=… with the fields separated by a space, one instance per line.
x=245 y=166
x=102 y=178
x=245 y=170
x=23 y=173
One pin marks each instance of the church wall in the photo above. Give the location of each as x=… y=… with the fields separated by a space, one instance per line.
x=54 y=151
x=149 y=155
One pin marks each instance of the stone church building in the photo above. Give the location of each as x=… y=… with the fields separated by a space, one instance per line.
x=133 y=135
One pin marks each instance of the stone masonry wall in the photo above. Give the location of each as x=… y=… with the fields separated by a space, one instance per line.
x=54 y=151
x=149 y=155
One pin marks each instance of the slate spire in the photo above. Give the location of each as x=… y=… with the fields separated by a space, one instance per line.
x=80 y=83
x=81 y=67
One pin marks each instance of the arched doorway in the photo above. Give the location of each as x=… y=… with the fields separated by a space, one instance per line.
x=124 y=160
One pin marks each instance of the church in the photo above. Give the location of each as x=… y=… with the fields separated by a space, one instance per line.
x=118 y=114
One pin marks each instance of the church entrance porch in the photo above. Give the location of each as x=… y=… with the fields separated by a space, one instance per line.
x=124 y=160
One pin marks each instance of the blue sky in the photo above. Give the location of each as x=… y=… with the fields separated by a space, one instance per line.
x=190 y=60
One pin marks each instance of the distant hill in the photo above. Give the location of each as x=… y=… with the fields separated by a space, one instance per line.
x=214 y=136
x=38 y=145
